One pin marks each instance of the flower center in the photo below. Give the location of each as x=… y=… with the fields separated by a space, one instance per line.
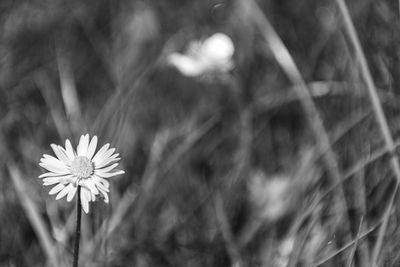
x=82 y=167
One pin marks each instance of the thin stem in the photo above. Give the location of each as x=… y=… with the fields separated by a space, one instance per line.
x=78 y=227
x=225 y=228
x=382 y=122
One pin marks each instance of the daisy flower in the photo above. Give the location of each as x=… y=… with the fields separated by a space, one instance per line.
x=83 y=167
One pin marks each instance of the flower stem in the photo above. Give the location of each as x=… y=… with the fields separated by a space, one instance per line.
x=78 y=227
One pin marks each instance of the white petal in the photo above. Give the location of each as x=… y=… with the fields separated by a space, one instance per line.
x=106 y=169
x=68 y=179
x=52 y=160
x=52 y=180
x=109 y=153
x=100 y=185
x=88 y=184
x=56 y=189
x=85 y=196
x=64 y=192
x=83 y=145
x=105 y=162
x=65 y=153
x=69 y=150
x=60 y=154
x=47 y=184
x=71 y=193
x=100 y=153
x=106 y=156
x=60 y=170
x=54 y=165
x=92 y=147
x=101 y=180
x=107 y=175
x=92 y=187
x=78 y=147
x=50 y=174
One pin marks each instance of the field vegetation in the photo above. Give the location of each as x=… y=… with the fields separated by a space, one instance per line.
x=285 y=155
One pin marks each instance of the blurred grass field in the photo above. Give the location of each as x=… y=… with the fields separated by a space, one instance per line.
x=289 y=159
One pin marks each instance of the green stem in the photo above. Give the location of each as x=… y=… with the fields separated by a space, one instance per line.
x=78 y=227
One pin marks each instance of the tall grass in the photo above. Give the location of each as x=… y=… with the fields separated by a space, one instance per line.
x=290 y=159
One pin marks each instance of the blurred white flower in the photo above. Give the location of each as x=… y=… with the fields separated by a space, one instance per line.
x=213 y=54
x=271 y=196
x=81 y=167
x=285 y=248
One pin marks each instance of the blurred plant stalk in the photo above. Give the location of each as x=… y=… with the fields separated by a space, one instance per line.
x=69 y=93
x=33 y=215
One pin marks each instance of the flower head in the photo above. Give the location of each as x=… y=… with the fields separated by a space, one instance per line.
x=212 y=55
x=83 y=167
x=271 y=196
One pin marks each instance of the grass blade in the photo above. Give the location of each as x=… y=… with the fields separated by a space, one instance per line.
x=380 y=116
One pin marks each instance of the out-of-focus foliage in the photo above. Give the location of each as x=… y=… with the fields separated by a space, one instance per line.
x=199 y=152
